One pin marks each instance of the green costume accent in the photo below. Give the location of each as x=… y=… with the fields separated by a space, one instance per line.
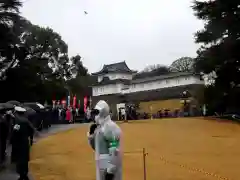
x=114 y=142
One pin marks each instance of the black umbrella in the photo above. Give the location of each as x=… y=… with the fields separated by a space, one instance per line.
x=33 y=105
x=29 y=111
x=48 y=106
x=16 y=103
x=6 y=106
x=40 y=105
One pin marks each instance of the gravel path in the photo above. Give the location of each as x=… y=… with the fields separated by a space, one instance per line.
x=10 y=174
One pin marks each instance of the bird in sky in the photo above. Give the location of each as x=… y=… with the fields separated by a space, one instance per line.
x=85 y=12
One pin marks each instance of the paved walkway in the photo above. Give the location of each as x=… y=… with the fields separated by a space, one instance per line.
x=10 y=174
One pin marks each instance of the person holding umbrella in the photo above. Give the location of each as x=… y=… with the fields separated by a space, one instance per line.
x=2 y=139
x=5 y=125
x=22 y=131
x=30 y=114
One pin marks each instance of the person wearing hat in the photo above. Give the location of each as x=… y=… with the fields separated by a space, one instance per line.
x=22 y=131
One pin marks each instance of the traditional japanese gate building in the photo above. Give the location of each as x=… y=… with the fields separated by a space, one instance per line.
x=117 y=83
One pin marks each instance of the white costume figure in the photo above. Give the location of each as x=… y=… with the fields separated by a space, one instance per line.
x=106 y=141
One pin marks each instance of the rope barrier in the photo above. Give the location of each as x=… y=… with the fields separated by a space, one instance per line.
x=132 y=152
x=184 y=166
x=202 y=171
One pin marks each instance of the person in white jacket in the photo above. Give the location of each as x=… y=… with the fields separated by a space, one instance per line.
x=105 y=138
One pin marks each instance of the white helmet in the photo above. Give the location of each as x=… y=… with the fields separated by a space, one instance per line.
x=102 y=112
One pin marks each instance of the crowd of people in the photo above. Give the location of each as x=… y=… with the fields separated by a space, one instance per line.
x=16 y=129
x=19 y=123
x=69 y=115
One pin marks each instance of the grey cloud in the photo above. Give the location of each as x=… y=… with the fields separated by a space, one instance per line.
x=140 y=32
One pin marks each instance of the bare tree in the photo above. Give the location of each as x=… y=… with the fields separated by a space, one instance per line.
x=183 y=64
x=156 y=68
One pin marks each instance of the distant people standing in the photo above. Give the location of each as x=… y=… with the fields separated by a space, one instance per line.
x=68 y=115
x=3 y=139
x=119 y=114
x=204 y=110
x=5 y=126
x=73 y=115
x=88 y=114
x=48 y=116
x=77 y=112
x=64 y=114
x=22 y=131
x=55 y=115
x=60 y=114
x=123 y=112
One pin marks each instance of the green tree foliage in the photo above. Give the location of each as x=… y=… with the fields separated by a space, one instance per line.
x=77 y=66
x=10 y=29
x=32 y=78
x=34 y=61
x=183 y=64
x=40 y=66
x=46 y=50
x=82 y=80
x=219 y=53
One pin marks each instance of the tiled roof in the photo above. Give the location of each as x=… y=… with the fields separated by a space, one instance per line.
x=151 y=77
x=116 y=67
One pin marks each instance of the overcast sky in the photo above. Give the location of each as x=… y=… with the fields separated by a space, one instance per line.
x=141 y=32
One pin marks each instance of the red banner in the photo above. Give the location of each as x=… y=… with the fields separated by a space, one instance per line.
x=85 y=103
x=64 y=102
x=74 y=101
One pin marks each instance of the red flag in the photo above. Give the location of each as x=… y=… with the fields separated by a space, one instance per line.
x=85 y=103
x=74 y=101
x=63 y=102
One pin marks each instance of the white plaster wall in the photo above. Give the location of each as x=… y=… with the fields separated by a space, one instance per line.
x=106 y=89
x=158 y=84
x=113 y=76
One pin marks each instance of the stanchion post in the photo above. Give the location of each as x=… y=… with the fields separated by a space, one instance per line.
x=144 y=164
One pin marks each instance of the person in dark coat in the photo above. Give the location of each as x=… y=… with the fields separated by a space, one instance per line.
x=55 y=115
x=48 y=117
x=2 y=140
x=22 y=132
x=5 y=125
x=73 y=115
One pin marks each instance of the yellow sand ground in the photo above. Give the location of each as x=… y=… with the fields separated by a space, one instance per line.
x=179 y=149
